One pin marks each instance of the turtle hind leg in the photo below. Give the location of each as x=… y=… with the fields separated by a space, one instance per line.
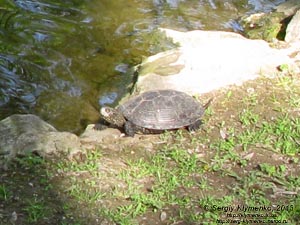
x=195 y=126
x=129 y=129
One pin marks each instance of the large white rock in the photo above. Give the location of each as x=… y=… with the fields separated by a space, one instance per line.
x=293 y=29
x=208 y=60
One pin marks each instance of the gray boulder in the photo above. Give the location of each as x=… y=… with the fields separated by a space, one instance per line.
x=24 y=134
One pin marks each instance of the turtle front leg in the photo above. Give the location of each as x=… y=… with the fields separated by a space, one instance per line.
x=101 y=125
x=129 y=129
x=194 y=126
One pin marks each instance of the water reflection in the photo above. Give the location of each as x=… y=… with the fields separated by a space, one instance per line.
x=31 y=63
x=263 y=5
x=54 y=8
x=62 y=59
x=14 y=90
x=108 y=98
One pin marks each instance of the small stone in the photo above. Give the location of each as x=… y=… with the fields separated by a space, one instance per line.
x=223 y=134
x=163 y=216
x=250 y=90
x=14 y=217
x=249 y=156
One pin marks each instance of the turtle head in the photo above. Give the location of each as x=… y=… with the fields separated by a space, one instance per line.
x=112 y=116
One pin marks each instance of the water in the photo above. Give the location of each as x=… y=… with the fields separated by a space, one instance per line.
x=61 y=60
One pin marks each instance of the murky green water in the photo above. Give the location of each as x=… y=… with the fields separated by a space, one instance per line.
x=63 y=59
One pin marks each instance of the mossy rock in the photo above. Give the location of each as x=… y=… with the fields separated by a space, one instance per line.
x=266 y=26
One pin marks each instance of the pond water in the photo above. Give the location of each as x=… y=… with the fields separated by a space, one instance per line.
x=62 y=60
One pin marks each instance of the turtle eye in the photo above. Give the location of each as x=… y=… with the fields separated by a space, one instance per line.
x=105 y=111
x=109 y=111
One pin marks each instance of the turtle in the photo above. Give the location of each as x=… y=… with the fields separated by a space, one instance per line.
x=156 y=111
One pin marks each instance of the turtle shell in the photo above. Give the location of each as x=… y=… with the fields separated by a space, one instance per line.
x=162 y=110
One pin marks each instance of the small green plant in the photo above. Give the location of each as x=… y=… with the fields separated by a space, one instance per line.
x=268 y=169
x=86 y=192
x=286 y=134
x=294 y=210
x=284 y=68
x=35 y=210
x=89 y=164
x=272 y=170
x=4 y=193
x=30 y=160
x=228 y=95
x=247 y=118
x=118 y=215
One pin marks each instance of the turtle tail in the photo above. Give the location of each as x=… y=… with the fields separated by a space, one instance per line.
x=207 y=104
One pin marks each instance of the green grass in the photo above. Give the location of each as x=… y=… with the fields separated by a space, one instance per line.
x=89 y=164
x=35 y=210
x=5 y=194
x=30 y=161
